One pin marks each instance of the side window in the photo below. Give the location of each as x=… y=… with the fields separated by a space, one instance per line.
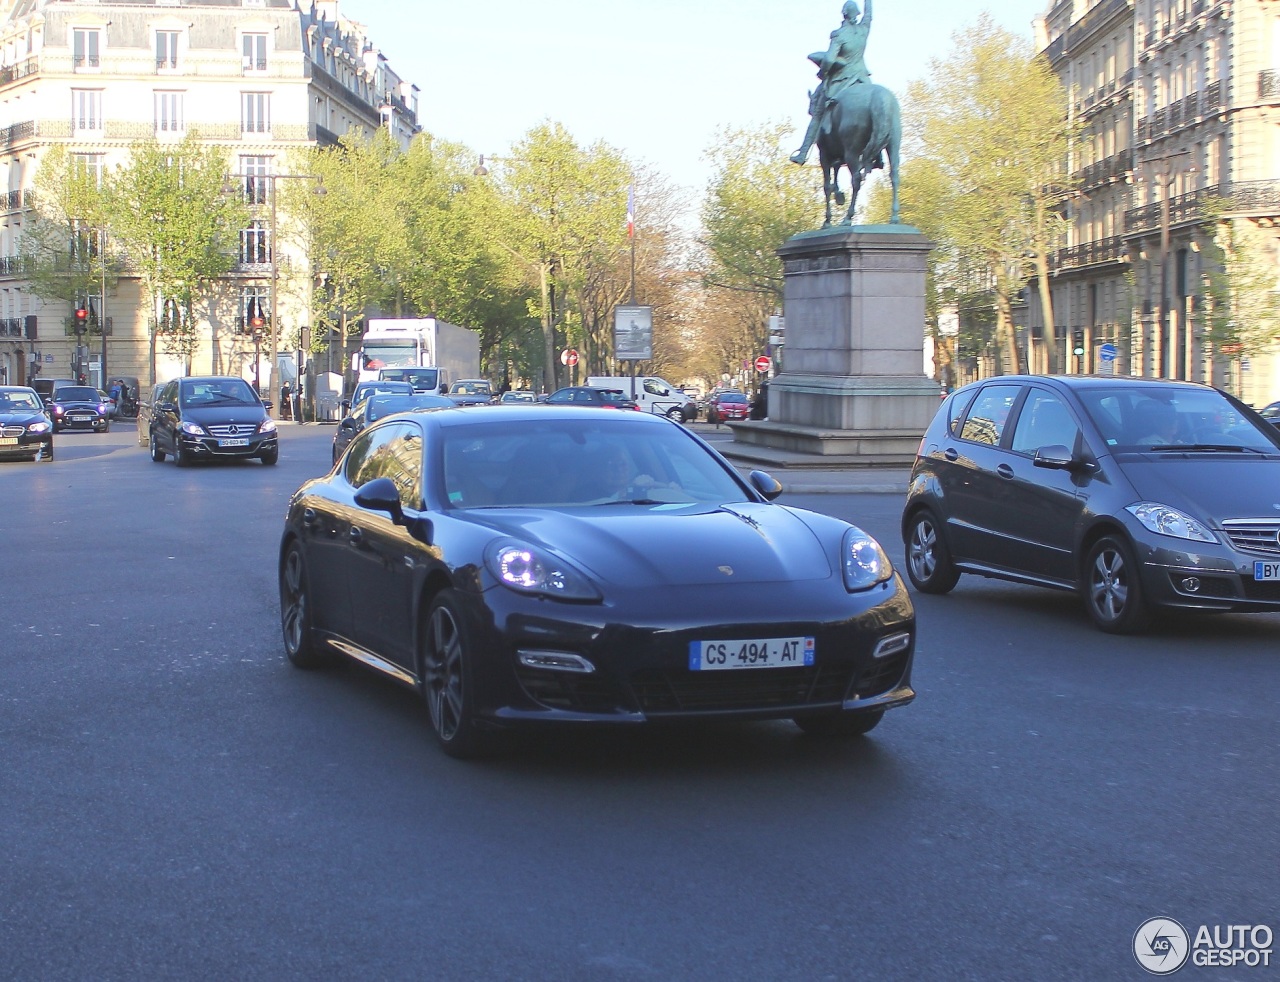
x=393 y=451
x=986 y=420
x=955 y=410
x=1044 y=421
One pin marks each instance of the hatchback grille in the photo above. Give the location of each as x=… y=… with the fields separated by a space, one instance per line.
x=1259 y=535
x=675 y=692
x=232 y=429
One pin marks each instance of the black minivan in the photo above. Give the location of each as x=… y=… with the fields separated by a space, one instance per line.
x=212 y=417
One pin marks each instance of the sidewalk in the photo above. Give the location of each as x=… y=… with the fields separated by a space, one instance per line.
x=811 y=474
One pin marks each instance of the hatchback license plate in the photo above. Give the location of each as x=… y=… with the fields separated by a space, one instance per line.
x=711 y=656
x=1266 y=571
x=80 y=419
x=233 y=443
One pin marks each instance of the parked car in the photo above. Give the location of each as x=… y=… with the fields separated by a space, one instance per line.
x=1138 y=494
x=727 y=405
x=1271 y=413
x=471 y=392
x=591 y=397
x=363 y=390
x=375 y=407
x=518 y=397
x=78 y=407
x=25 y=427
x=211 y=417
x=513 y=601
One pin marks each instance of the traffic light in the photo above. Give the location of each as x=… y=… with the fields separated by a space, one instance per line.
x=1077 y=342
x=82 y=320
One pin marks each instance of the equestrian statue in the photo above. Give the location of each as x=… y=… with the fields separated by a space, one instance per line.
x=855 y=123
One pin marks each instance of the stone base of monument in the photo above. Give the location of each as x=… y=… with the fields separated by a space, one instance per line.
x=852 y=383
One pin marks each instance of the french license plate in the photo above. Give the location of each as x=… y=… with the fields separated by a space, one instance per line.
x=233 y=443
x=1266 y=571
x=712 y=656
x=8 y=441
x=80 y=419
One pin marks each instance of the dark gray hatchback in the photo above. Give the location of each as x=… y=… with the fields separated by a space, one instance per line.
x=1137 y=493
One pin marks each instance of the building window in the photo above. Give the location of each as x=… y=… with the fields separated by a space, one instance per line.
x=84 y=241
x=88 y=165
x=169 y=112
x=166 y=50
x=254 y=302
x=85 y=50
x=86 y=110
x=254 y=48
x=255 y=170
x=255 y=243
x=255 y=112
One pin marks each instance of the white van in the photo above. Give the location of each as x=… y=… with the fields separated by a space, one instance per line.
x=654 y=394
x=423 y=378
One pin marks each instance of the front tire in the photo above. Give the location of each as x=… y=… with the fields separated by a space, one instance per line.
x=447 y=678
x=295 y=611
x=269 y=457
x=180 y=456
x=156 y=453
x=929 y=564
x=1113 y=589
x=839 y=725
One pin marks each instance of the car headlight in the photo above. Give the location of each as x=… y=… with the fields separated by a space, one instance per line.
x=527 y=569
x=38 y=428
x=865 y=563
x=268 y=425
x=192 y=429
x=1164 y=520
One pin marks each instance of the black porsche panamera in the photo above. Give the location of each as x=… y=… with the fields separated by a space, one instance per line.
x=586 y=566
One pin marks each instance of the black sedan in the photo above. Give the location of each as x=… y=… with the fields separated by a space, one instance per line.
x=378 y=405
x=591 y=397
x=1136 y=493
x=25 y=429
x=587 y=566
x=79 y=407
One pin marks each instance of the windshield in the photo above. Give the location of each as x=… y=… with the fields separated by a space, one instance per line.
x=528 y=461
x=217 y=392
x=76 y=393
x=380 y=406
x=419 y=378
x=471 y=389
x=10 y=401
x=732 y=397
x=1147 y=418
x=390 y=353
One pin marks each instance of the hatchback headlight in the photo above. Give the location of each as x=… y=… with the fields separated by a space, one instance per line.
x=864 y=562
x=193 y=429
x=527 y=569
x=268 y=425
x=38 y=428
x=1164 y=520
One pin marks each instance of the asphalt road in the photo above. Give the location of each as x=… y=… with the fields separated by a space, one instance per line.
x=177 y=802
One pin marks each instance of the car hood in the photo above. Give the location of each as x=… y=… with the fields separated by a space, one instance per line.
x=245 y=415
x=22 y=416
x=77 y=403
x=1210 y=486
x=664 y=545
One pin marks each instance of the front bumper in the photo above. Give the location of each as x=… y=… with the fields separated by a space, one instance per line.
x=1204 y=576
x=211 y=448
x=641 y=673
x=27 y=444
x=82 y=419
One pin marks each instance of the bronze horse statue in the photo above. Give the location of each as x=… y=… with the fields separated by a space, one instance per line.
x=861 y=131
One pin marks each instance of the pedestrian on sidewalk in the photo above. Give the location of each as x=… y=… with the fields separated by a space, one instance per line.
x=286 y=401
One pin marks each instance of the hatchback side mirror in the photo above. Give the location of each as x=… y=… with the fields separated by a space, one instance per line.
x=1054 y=457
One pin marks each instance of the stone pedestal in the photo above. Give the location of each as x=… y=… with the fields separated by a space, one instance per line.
x=852 y=380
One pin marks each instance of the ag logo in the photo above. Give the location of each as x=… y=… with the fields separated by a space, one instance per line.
x=1161 y=945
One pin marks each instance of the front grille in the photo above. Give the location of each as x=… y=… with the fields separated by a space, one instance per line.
x=1266 y=590
x=1257 y=535
x=233 y=430
x=12 y=430
x=574 y=691
x=683 y=691
x=881 y=676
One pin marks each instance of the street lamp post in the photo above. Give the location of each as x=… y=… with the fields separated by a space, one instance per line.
x=1167 y=347
x=257 y=359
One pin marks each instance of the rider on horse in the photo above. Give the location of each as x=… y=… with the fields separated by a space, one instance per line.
x=839 y=66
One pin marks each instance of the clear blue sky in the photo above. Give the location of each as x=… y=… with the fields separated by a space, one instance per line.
x=654 y=78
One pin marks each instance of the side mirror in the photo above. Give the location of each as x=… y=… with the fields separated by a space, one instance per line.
x=380 y=494
x=166 y=407
x=345 y=404
x=1054 y=457
x=765 y=484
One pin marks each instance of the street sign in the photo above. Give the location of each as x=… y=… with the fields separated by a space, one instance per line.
x=1107 y=352
x=763 y=363
x=569 y=357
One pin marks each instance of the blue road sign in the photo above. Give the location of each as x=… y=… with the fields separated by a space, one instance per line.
x=1107 y=352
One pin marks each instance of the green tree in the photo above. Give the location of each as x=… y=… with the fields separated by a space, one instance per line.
x=180 y=232
x=1243 y=296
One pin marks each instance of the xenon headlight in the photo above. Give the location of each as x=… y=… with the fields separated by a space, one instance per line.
x=193 y=429
x=528 y=569
x=268 y=425
x=1164 y=520
x=38 y=428
x=864 y=562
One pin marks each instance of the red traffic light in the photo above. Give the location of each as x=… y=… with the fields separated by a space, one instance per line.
x=82 y=314
x=256 y=322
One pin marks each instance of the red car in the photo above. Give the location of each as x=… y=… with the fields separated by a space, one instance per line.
x=727 y=405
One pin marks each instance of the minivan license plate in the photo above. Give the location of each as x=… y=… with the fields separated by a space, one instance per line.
x=233 y=443
x=1266 y=571
x=711 y=656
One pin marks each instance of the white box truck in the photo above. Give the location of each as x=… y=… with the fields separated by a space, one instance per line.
x=391 y=343
x=654 y=394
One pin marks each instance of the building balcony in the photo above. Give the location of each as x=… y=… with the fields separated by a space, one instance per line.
x=1269 y=85
x=1109 y=250
x=15 y=73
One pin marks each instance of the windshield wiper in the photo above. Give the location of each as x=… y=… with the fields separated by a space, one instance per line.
x=634 y=501
x=1205 y=448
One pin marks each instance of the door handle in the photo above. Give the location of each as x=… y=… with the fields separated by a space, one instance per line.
x=309 y=516
x=356 y=535
x=1005 y=471
x=951 y=453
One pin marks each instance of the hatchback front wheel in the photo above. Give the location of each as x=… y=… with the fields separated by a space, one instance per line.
x=929 y=564
x=1112 y=588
